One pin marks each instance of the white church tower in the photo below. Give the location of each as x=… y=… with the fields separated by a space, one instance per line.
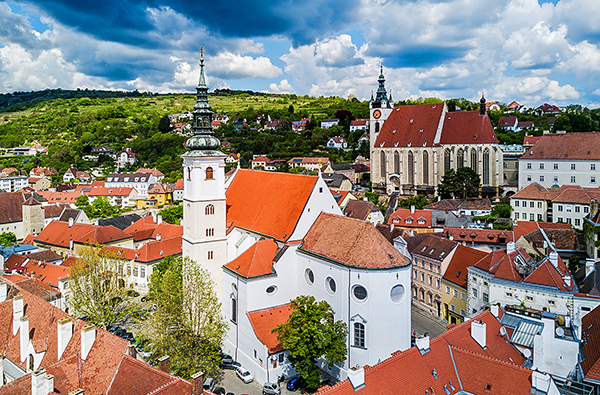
x=204 y=209
x=380 y=109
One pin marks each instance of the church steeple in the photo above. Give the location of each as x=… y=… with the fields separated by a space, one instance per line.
x=203 y=142
x=381 y=95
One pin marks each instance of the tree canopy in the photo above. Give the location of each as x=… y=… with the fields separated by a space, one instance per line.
x=418 y=201
x=172 y=215
x=8 y=239
x=463 y=183
x=187 y=324
x=311 y=333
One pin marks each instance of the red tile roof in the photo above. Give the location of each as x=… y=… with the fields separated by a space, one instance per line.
x=103 y=191
x=351 y=242
x=463 y=257
x=266 y=202
x=547 y=274
x=531 y=140
x=590 y=324
x=261 y=159
x=11 y=209
x=28 y=239
x=145 y=228
x=404 y=217
x=264 y=321
x=415 y=125
x=159 y=188
x=360 y=209
x=507 y=121
x=152 y=251
x=58 y=233
x=47 y=273
x=155 y=172
x=178 y=185
x=133 y=373
x=256 y=261
x=567 y=146
x=479 y=236
x=468 y=127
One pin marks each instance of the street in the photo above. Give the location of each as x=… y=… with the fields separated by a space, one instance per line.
x=424 y=322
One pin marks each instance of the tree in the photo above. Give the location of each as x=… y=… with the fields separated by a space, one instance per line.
x=311 y=333
x=574 y=263
x=172 y=214
x=8 y=239
x=502 y=210
x=187 y=324
x=98 y=291
x=164 y=125
x=418 y=201
x=82 y=201
x=463 y=183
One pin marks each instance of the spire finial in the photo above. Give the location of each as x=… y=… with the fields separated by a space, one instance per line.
x=201 y=56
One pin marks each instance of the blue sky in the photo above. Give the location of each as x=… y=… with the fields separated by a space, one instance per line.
x=526 y=50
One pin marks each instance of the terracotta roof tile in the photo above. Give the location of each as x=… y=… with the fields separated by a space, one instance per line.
x=463 y=257
x=583 y=146
x=264 y=321
x=59 y=233
x=255 y=261
x=404 y=217
x=590 y=324
x=360 y=209
x=547 y=274
x=268 y=203
x=434 y=247
x=467 y=127
x=414 y=124
x=351 y=242
x=479 y=236
x=11 y=209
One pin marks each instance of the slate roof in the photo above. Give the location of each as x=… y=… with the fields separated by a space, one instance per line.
x=266 y=202
x=69 y=213
x=54 y=210
x=334 y=180
x=463 y=257
x=567 y=146
x=264 y=321
x=351 y=242
x=360 y=209
x=256 y=261
x=590 y=324
x=45 y=256
x=121 y=222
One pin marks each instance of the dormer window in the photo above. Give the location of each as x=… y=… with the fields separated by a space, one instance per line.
x=136 y=179
x=126 y=179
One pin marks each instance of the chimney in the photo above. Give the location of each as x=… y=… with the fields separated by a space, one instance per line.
x=158 y=237
x=159 y=219
x=24 y=337
x=88 y=337
x=412 y=209
x=17 y=313
x=41 y=383
x=423 y=344
x=543 y=383
x=357 y=377
x=3 y=291
x=553 y=258
x=590 y=266
x=197 y=383
x=495 y=310
x=154 y=216
x=593 y=208
x=478 y=333
x=131 y=351
x=510 y=247
x=163 y=363
x=65 y=332
x=70 y=242
x=71 y=222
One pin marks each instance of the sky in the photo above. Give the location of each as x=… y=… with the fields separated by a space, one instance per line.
x=531 y=51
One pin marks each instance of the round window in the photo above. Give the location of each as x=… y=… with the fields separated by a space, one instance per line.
x=359 y=292
x=309 y=276
x=397 y=293
x=330 y=284
x=272 y=290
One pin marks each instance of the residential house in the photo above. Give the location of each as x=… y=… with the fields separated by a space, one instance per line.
x=121 y=222
x=359 y=124
x=568 y=204
x=470 y=358
x=232 y=158
x=542 y=241
x=46 y=351
x=529 y=141
x=347 y=169
x=337 y=181
x=158 y=195
x=327 y=123
x=9 y=171
x=22 y=214
x=121 y=197
x=39 y=183
x=547 y=109
x=514 y=106
x=126 y=157
x=151 y=227
x=78 y=216
x=411 y=218
x=562 y=159
x=460 y=207
x=342 y=198
x=72 y=173
x=512 y=277
x=299 y=126
x=525 y=125
x=364 y=210
x=158 y=175
x=311 y=164
x=363 y=139
x=477 y=237
x=260 y=161
x=508 y=123
x=430 y=260
x=492 y=106
x=455 y=283
x=140 y=181
x=13 y=183
x=37 y=148
x=337 y=142
x=178 y=190
x=42 y=171
x=50 y=197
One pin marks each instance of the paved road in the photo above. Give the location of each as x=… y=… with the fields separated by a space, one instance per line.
x=423 y=321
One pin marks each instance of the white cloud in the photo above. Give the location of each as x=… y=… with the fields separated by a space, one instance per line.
x=230 y=65
x=337 y=52
x=283 y=87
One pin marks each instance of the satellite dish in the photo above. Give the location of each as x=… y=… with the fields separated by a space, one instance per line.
x=560 y=332
x=527 y=353
x=502 y=331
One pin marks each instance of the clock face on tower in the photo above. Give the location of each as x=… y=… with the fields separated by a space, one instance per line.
x=376 y=114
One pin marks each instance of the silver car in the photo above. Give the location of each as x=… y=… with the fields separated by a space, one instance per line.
x=271 y=389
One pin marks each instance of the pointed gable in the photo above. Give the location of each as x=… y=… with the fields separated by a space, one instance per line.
x=414 y=125
x=547 y=274
x=506 y=269
x=256 y=261
x=267 y=203
x=463 y=257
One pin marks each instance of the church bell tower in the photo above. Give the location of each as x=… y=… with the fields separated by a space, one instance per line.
x=204 y=208
x=380 y=109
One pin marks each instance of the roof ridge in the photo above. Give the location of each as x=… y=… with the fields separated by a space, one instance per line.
x=509 y=363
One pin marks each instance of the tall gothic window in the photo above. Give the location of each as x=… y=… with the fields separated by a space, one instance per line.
x=234 y=310
x=425 y=168
x=446 y=160
x=486 y=167
x=382 y=165
x=474 y=160
x=209 y=210
x=396 y=162
x=209 y=173
x=411 y=168
x=460 y=159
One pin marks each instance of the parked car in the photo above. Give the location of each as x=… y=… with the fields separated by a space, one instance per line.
x=294 y=383
x=219 y=391
x=244 y=374
x=271 y=389
x=227 y=362
x=230 y=393
x=209 y=384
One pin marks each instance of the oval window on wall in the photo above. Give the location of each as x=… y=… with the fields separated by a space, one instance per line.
x=330 y=285
x=397 y=293
x=309 y=276
x=359 y=293
x=271 y=290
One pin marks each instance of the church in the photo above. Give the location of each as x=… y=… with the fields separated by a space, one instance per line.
x=268 y=237
x=413 y=146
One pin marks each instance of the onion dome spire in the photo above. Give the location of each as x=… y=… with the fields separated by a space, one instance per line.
x=203 y=142
x=381 y=95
